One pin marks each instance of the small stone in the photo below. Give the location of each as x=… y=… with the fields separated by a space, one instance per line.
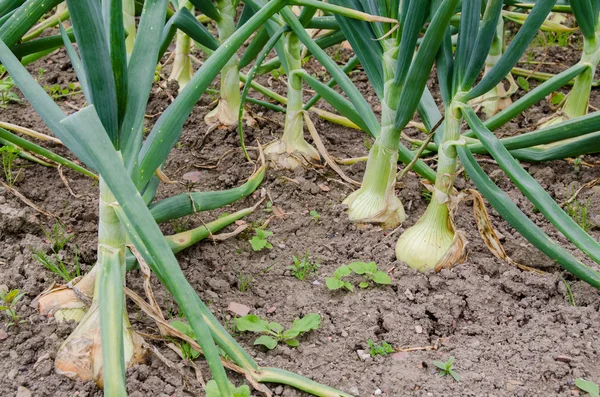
x=3 y=334
x=486 y=278
x=316 y=282
x=281 y=246
x=238 y=309
x=378 y=392
x=23 y=392
x=193 y=177
x=279 y=390
x=344 y=334
x=363 y=355
x=409 y=295
x=271 y=310
x=212 y=294
x=354 y=390
x=418 y=329
x=324 y=188
x=563 y=359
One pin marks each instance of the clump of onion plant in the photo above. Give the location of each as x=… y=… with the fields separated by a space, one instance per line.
x=182 y=65
x=292 y=150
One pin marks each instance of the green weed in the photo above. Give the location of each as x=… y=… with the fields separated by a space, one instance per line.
x=275 y=332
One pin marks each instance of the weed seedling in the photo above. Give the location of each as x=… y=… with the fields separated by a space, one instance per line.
x=445 y=368
x=180 y=225
x=187 y=351
x=9 y=154
x=523 y=83
x=56 y=91
x=382 y=349
x=314 y=215
x=259 y=241
x=570 y=297
x=274 y=332
x=269 y=207
x=6 y=95
x=369 y=272
x=56 y=265
x=426 y=194
x=212 y=390
x=57 y=237
x=335 y=282
x=580 y=213
x=9 y=301
x=588 y=386
x=244 y=281
x=303 y=267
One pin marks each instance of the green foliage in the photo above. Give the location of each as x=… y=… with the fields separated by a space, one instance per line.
x=382 y=349
x=570 y=297
x=259 y=241
x=6 y=85
x=523 y=83
x=57 y=92
x=213 y=391
x=9 y=301
x=244 y=281
x=368 y=271
x=426 y=194
x=588 y=386
x=9 y=155
x=445 y=368
x=314 y=215
x=269 y=207
x=57 y=237
x=57 y=265
x=556 y=98
x=303 y=267
x=336 y=282
x=180 y=225
x=275 y=332
x=580 y=213
x=187 y=351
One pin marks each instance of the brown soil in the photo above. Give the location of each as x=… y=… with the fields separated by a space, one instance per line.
x=513 y=333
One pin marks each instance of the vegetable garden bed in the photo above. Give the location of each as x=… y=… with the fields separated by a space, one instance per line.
x=511 y=332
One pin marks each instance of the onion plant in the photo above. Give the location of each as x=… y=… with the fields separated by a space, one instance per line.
x=107 y=136
x=292 y=150
x=386 y=53
x=182 y=70
x=457 y=81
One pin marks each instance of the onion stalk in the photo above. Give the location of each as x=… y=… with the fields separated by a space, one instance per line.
x=292 y=149
x=81 y=354
x=226 y=112
x=182 y=70
x=498 y=98
x=424 y=244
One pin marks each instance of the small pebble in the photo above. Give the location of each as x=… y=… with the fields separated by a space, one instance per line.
x=23 y=392
x=378 y=392
x=279 y=390
x=486 y=278
x=354 y=390
x=363 y=355
x=418 y=329
x=316 y=282
x=409 y=295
